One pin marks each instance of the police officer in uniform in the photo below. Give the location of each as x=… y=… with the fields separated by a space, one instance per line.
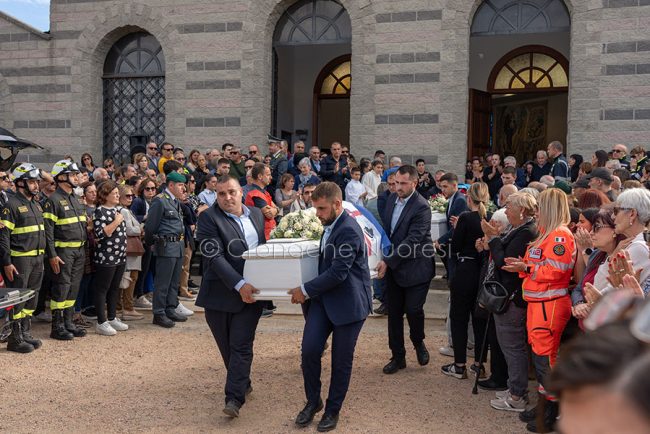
x=65 y=231
x=22 y=246
x=164 y=231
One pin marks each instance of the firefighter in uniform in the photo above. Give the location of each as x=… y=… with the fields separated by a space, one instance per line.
x=22 y=247
x=164 y=232
x=65 y=231
x=547 y=269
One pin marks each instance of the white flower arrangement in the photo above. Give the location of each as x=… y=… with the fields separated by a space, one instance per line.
x=299 y=224
x=438 y=204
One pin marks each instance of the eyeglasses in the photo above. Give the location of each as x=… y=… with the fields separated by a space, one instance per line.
x=252 y=152
x=180 y=158
x=618 y=209
x=168 y=149
x=150 y=188
x=191 y=181
x=87 y=158
x=4 y=177
x=614 y=151
x=152 y=148
x=128 y=196
x=596 y=228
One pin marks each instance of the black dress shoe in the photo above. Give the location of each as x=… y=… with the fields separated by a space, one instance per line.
x=492 y=385
x=307 y=414
x=382 y=309
x=328 y=422
x=395 y=365
x=232 y=408
x=192 y=285
x=163 y=321
x=175 y=317
x=422 y=353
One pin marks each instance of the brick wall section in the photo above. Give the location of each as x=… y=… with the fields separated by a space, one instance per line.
x=409 y=59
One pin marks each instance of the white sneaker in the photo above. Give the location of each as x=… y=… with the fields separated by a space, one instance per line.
x=182 y=310
x=509 y=404
x=105 y=329
x=143 y=303
x=446 y=351
x=118 y=325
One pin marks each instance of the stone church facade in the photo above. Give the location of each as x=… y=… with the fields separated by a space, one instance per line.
x=410 y=68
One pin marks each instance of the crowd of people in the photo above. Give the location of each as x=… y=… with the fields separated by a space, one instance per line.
x=102 y=242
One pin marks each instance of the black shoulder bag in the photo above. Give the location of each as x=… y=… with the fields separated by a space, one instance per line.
x=493 y=296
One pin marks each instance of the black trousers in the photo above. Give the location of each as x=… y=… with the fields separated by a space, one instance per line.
x=29 y=276
x=464 y=290
x=107 y=290
x=234 y=334
x=405 y=300
x=65 y=285
x=498 y=365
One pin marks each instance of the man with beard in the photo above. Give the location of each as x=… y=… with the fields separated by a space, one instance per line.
x=339 y=302
x=22 y=246
x=65 y=232
x=225 y=231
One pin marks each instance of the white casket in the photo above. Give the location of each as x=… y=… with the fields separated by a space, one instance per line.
x=438 y=225
x=279 y=265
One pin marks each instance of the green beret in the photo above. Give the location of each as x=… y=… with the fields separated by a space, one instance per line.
x=176 y=177
x=564 y=186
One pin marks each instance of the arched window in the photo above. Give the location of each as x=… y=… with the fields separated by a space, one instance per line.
x=505 y=17
x=337 y=81
x=530 y=69
x=134 y=94
x=313 y=22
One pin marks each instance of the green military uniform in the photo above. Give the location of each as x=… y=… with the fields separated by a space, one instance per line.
x=65 y=231
x=22 y=243
x=164 y=231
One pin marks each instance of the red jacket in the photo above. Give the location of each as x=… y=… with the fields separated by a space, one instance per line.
x=259 y=198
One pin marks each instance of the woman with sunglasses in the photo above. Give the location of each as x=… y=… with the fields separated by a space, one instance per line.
x=547 y=269
x=133 y=262
x=87 y=162
x=140 y=208
x=594 y=250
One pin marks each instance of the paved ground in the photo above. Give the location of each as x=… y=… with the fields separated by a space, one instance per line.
x=153 y=380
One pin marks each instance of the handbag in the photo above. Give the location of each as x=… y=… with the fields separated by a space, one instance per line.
x=493 y=296
x=134 y=246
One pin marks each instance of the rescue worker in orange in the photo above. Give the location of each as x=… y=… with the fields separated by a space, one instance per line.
x=258 y=197
x=547 y=269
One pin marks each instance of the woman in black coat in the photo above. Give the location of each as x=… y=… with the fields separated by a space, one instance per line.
x=511 y=324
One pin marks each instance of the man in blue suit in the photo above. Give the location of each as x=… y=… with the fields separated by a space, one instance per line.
x=339 y=302
x=409 y=266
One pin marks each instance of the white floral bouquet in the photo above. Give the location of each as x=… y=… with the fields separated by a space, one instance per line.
x=299 y=224
x=438 y=204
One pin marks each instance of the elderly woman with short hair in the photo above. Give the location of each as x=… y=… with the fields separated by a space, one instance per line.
x=306 y=176
x=511 y=325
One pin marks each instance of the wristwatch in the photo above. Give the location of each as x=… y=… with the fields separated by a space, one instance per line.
x=588 y=251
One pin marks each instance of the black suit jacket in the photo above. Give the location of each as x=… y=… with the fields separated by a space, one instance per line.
x=411 y=257
x=458 y=206
x=222 y=244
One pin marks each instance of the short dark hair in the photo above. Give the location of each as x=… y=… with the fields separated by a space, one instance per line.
x=420 y=160
x=209 y=177
x=104 y=189
x=171 y=166
x=167 y=144
x=327 y=190
x=623 y=174
x=449 y=177
x=225 y=145
x=379 y=152
x=257 y=170
x=509 y=171
x=407 y=169
x=223 y=179
x=310 y=184
x=355 y=169
x=222 y=160
x=376 y=163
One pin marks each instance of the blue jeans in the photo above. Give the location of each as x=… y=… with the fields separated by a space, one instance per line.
x=378 y=288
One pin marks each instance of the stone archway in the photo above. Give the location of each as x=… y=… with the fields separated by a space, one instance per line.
x=90 y=52
x=257 y=38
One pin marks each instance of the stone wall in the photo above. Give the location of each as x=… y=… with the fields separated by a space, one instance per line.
x=410 y=69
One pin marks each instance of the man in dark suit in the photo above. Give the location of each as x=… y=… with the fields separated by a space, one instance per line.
x=409 y=266
x=335 y=168
x=456 y=205
x=225 y=231
x=339 y=302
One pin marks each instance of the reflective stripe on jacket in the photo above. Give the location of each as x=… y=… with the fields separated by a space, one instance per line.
x=24 y=231
x=65 y=222
x=550 y=267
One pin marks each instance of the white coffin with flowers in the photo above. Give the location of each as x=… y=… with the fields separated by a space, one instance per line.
x=438 y=225
x=279 y=265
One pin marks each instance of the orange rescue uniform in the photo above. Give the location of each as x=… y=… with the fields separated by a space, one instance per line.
x=259 y=198
x=546 y=289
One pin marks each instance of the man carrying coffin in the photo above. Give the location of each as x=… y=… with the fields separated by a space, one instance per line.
x=339 y=302
x=225 y=231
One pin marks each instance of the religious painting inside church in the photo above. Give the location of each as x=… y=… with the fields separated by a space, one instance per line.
x=520 y=128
